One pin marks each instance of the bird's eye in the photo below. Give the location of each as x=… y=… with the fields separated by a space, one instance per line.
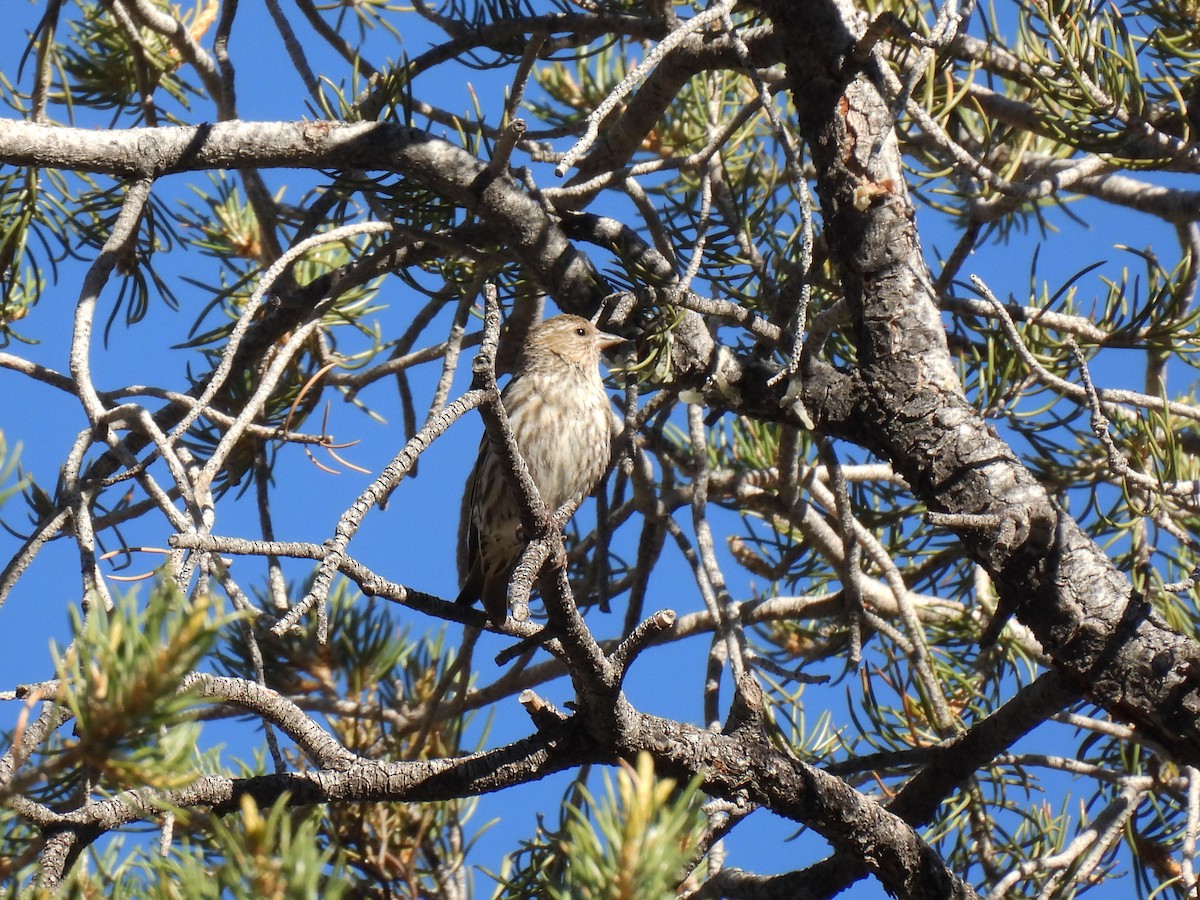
x=581 y=331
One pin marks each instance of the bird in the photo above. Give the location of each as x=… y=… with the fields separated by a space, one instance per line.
x=561 y=419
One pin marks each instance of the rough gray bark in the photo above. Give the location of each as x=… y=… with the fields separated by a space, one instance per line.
x=903 y=402
x=909 y=408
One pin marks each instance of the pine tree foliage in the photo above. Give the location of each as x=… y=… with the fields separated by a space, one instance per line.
x=896 y=549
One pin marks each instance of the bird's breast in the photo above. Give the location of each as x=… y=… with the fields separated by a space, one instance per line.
x=563 y=434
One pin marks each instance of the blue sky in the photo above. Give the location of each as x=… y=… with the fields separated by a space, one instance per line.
x=667 y=681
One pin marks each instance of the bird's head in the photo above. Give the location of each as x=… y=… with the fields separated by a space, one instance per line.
x=573 y=339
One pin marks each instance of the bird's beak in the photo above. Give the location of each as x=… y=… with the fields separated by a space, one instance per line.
x=608 y=341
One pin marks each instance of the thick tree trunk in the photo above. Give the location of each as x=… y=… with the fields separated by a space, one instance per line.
x=910 y=408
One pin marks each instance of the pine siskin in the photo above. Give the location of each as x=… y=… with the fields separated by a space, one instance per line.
x=562 y=421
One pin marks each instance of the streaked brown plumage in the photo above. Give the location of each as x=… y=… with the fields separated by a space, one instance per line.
x=562 y=421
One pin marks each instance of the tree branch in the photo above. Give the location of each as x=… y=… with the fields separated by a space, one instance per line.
x=1046 y=569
